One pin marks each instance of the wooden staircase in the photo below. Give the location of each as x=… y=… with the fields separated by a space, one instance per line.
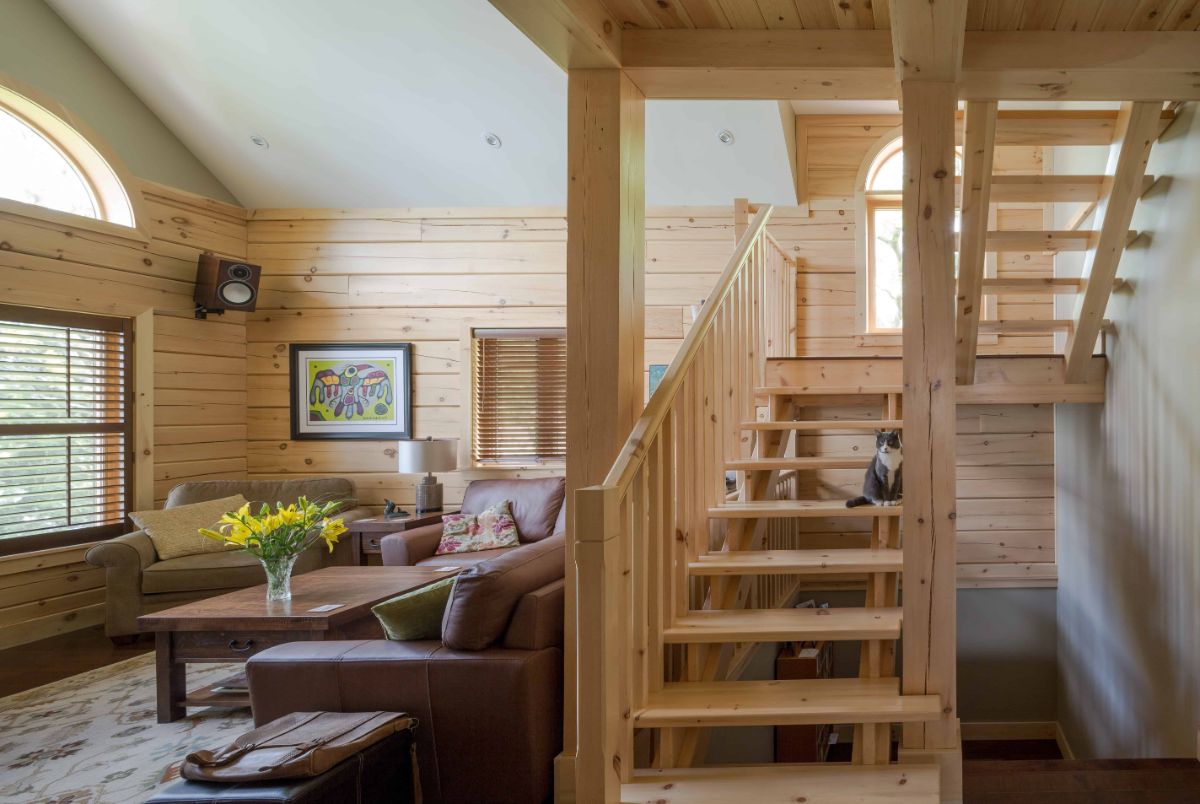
x=1108 y=199
x=680 y=579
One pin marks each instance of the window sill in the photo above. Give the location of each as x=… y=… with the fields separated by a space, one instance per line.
x=512 y=467
x=43 y=215
x=896 y=339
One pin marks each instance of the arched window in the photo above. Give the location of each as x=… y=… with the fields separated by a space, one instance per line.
x=883 y=193
x=46 y=162
x=885 y=228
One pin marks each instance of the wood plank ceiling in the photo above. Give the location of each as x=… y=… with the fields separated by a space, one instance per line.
x=982 y=15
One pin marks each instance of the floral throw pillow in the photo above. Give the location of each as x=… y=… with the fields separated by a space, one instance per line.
x=489 y=529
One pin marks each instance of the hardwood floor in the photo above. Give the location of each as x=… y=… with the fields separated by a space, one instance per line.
x=1097 y=781
x=1010 y=749
x=36 y=663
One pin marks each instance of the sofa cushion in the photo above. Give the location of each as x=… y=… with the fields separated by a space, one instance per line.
x=485 y=595
x=416 y=614
x=316 y=489
x=560 y=523
x=175 y=531
x=464 y=559
x=490 y=529
x=231 y=569
x=534 y=502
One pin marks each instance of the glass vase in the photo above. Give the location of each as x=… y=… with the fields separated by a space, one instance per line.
x=279 y=577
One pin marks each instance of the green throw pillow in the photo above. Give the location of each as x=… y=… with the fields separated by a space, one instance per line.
x=416 y=614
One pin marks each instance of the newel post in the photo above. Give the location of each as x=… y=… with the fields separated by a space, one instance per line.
x=599 y=763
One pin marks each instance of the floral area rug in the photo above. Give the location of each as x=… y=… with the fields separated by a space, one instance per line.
x=94 y=738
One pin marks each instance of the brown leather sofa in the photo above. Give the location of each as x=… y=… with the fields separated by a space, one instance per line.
x=138 y=583
x=536 y=505
x=488 y=695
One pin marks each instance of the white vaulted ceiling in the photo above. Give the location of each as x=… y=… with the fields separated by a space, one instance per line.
x=384 y=103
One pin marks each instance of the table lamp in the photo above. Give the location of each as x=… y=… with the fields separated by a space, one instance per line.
x=426 y=457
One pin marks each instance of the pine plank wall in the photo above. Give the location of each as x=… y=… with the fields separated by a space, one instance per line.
x=221 y=386
x=199 y=371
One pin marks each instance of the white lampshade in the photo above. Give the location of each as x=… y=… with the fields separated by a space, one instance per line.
x=430 y=455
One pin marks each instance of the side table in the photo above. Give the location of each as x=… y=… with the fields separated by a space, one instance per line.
x=366 y=533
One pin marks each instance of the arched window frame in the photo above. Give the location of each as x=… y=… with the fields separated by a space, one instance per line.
x=867 y=202
x=116 y=193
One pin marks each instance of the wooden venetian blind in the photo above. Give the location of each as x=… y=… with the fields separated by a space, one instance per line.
x=65 y=427
x=519 y=410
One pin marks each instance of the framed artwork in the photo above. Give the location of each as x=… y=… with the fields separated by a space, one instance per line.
x=351 y=391
x=657 y=372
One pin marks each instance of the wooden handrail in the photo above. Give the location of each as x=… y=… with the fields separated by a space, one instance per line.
x=629 y=460
x=636 y=533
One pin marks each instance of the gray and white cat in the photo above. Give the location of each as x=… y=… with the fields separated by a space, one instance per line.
x=883 y=484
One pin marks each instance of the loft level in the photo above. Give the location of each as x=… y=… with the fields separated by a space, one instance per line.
x=999 y=380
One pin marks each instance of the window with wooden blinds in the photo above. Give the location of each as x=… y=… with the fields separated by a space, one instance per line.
x=65 y=427
x=519 y=408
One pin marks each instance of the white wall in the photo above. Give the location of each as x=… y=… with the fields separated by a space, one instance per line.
x=1128 y=488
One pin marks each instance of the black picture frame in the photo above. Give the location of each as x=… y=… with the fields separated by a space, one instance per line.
x=307 y=399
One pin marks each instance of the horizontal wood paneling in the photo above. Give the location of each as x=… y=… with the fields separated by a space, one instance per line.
x=415 y=275
x=199 y=370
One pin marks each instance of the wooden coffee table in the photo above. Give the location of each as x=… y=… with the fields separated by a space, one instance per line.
x=234 y=626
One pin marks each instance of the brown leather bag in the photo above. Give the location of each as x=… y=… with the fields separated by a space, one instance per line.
x=299 y=745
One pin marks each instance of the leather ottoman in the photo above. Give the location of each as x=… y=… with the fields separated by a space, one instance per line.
x=382 y=774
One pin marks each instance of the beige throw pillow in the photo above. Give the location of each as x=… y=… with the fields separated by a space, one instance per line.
x=175 y=531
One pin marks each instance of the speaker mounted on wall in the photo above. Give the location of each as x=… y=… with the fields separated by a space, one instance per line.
x=223 y=284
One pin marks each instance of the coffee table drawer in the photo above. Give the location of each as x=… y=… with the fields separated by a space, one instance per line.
x=230 y=645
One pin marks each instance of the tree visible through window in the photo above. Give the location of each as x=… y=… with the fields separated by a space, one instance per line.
x=65 y=427
x=885 y=238
x=34 y=171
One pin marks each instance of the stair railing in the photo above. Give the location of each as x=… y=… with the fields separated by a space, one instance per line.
x=636 y=533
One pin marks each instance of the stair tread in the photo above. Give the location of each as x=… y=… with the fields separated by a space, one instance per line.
x=1032 y=285
x=1061 y=187
x=828 y=783
x=830 y=390
x=1011 y=325
x=784 y=703
x=1044 y=239
x=817 y=462
x=827 y=424
x=784 y=625
x=783 y=509
x=768 y=562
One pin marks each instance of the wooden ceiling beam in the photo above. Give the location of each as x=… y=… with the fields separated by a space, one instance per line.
x=927 y=39
x=855 y=64
x=573 y=33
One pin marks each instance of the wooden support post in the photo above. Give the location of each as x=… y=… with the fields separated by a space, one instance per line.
x=598 y=765
x=741 y=217
x=606 y=225
x=929 y=405
x=1137 y=128
x=980 y=139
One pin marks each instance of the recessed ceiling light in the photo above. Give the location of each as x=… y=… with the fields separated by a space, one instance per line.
x=492 y=139
x=725 y=136
x=260 y=141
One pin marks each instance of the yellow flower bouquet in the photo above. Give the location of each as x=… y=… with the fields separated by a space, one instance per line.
x=278 y=537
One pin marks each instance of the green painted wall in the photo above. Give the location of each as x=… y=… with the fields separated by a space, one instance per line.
x=37 y=48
